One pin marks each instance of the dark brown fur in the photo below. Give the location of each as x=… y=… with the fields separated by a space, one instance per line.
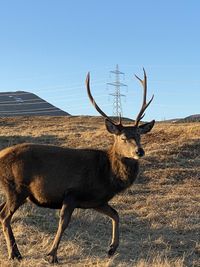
x=47 y=175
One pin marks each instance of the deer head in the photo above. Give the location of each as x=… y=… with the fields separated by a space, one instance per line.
x=126 y=138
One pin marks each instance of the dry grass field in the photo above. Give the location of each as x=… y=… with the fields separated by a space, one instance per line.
x=160 y=213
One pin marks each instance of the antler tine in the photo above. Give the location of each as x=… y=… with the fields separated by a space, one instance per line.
x=93 y=101
x=141 y=114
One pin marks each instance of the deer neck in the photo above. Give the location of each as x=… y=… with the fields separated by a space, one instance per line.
x=124 y=169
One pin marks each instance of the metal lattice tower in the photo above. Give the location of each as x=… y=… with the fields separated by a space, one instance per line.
x=117 y=105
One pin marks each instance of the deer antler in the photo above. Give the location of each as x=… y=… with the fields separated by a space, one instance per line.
x=141 y=114
x=95 y=104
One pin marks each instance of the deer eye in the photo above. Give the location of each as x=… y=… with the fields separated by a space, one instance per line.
x=124 y=139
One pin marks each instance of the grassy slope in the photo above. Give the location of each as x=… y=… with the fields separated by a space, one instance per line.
x=160 y=213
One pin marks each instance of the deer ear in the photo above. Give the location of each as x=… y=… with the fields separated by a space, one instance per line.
x=146 y=127
x=112 y=128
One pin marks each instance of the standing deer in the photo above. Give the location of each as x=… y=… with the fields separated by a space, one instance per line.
x=65 y=178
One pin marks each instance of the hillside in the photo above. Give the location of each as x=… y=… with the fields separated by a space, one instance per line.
x=192 y=118
x=159 y=214
x=22 y=103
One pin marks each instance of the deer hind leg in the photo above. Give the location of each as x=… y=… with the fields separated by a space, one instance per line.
x=112 y=213
x=7 y=210
x=65 y=216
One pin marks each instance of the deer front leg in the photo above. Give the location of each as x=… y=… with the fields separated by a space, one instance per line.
x=112 y=213
x=65 y=216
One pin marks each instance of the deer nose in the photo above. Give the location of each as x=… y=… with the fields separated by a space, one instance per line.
x=140 y=152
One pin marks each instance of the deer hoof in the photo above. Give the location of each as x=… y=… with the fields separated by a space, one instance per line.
x=15 y=255
x=52 y=258
x=111 y=251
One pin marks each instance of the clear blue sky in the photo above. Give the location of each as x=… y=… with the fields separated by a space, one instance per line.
x=48 y=46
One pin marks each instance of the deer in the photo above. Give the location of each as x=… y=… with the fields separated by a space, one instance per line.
x=68 y=178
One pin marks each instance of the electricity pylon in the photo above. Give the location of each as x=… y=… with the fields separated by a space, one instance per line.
x=117 y=105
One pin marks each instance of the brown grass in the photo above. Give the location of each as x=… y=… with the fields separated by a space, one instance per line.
x=160 y=213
